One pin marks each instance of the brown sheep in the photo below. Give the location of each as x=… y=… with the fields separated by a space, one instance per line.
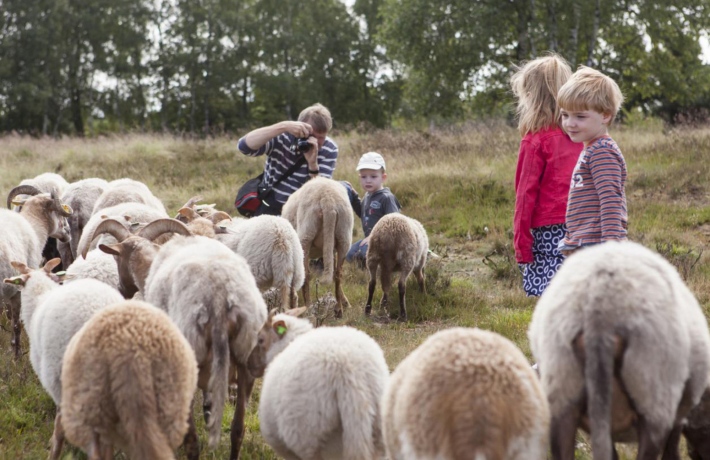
x=397 y=243
x=128 y=380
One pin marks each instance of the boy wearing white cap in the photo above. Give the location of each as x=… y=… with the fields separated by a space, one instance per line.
x=377 y=202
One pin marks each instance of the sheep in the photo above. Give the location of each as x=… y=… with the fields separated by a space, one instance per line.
x=127 y=213
x=210 y=294
x=127 y=191
x=465 y=393
x=128 y=380
x=697 y=428
x=623 y=350
x=52 y=314
x=273 y=251
x=321 y=214
x=81 y=196
x=397 y=242
x=51 y=183
x=97 y=265
x=22 y=237
x=321 y=392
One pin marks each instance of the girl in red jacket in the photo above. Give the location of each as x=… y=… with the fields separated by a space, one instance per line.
x=546 y=159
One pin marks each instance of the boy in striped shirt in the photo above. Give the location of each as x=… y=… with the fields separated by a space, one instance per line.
x=596 y=208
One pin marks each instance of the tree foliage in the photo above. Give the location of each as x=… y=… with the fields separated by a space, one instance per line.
x=203 y=66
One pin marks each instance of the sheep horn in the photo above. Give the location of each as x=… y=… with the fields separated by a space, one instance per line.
x=160 y=226
x=188 y=213
x=111 y=226
x=21 y=190
x=192 y=201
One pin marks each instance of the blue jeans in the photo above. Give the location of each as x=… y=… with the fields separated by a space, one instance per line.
x=357 y=253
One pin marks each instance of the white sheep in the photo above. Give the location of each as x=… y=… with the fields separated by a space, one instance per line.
x=127 y=191
x=128 y=381
x=465 y=393
x=321 y=214
x=22 y=237
x=81 y=197
x=397 y=243
x=322 y=388
x=210 y=294
x=623 y=349
x=273 y=251
x=51 y=183
x=52 y=314
x=97 y=265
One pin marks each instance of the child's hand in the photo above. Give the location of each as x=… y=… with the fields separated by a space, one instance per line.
x=365 y=241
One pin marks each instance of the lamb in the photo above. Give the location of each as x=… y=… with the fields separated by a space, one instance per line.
x=128 y=191
x=97 y=265
x=52 y=314
x=210 y=294
x=273 y=251
x=623 y=350
x=397 y=242
x=81 y=197
x=22 y=237
x=465 y=393
x=128 y=381
x=321 y=392
x=321 y=214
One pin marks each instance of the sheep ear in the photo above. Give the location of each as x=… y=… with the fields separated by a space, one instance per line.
x=17 y=281
x=51 y=264
x=20 y=267
x=113 y=249
x=296 y=311
x=280 y=328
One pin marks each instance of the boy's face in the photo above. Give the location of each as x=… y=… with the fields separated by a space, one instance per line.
x=584 y=126
x=372 y=179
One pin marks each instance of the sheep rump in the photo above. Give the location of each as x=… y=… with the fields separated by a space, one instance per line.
x=465 y=393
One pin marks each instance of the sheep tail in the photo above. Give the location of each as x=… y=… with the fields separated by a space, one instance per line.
x=330 y=220
x=360 y=418
x=599 y=345
x=219 y=376
x=134 y=390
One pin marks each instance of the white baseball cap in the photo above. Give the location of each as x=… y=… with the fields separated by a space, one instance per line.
x=371 y=160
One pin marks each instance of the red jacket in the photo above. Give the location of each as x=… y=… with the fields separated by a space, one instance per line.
x=545 y=164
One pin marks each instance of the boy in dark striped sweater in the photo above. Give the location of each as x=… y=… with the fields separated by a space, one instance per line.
x=596 y=208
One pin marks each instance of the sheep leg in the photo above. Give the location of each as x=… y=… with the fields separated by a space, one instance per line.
x=563 y=428
x=245 y=383
x=99 y=451
x=673 y=444
x=286 y=300
x=341 y=300
x=16 y=326
x=372 y=267
x=419 y=273
x=650 y=440
x=386 y=282
x=305 y=290
x=402 y=285
x=191 y=441
x=57 y=437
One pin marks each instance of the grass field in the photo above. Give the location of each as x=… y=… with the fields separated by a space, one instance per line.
x=458 y=182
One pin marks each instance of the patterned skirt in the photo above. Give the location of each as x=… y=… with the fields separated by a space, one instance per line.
x=546 y=259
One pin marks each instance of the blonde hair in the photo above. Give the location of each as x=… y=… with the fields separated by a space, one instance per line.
x=589 y=89
x=536 y=84
x=317 y=116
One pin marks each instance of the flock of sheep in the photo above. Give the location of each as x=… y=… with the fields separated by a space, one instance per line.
x=622 y=346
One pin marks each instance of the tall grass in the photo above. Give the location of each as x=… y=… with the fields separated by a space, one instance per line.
x=458 y=182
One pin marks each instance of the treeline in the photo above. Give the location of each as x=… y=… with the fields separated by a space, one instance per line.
x=204 y=66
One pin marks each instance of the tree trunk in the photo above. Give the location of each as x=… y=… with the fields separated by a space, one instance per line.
x=552 y=25
x=523 y=32
x=595 y=31
x=574 y=34
x=533 y=47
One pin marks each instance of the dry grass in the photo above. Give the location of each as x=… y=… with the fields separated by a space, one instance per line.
x=458 y=182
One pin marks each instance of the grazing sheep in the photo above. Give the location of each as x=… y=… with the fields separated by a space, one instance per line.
x=97 y=265
x=128 y=191
x=321 y=214
x=321 y=392
x=51 y=183
x=623 y=350
x=397 y=243
x=22 y=237
x=128 y=381
x=81 y=196
x=128 y=214
x=273 y=251
x=210 y=294
x=465 y=394
x=52 y=314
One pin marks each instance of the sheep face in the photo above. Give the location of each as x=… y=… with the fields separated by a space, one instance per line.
x=133 y=258
x=26 y=272
x=270 y=334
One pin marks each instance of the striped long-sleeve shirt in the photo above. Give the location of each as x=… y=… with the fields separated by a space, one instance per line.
x=281 y=158
x=596 y=208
